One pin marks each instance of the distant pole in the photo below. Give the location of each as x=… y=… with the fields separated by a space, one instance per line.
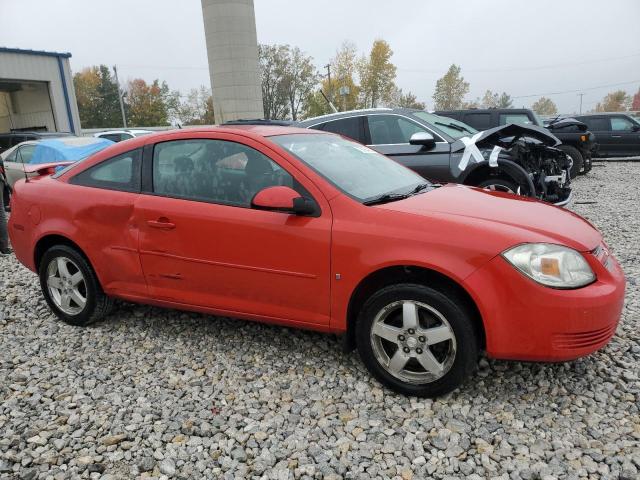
x=124 y=117
x=328 y=67
x=581 y=95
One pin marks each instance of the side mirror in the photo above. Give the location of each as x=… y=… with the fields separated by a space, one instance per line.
x=423 y=138
x=283 y=199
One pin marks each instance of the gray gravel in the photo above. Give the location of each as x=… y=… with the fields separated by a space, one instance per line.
x=156 y=393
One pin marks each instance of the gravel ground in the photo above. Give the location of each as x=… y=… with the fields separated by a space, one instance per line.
x=158 y=393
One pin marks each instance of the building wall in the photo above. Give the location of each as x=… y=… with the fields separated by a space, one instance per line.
x=55 y=72
x=232 y=48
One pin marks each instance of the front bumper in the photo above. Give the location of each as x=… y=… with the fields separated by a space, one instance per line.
x=566 y=202
x=524 y=320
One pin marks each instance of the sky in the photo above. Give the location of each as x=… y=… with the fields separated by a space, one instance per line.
x=523 y=47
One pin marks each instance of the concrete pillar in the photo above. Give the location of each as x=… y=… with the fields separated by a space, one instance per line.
x=232 y=48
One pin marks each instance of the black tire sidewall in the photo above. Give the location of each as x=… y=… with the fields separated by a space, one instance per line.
x=510 y=184
x=576 y=156
x=466 y=341
x=91 y=281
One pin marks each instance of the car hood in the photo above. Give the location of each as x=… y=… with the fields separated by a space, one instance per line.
x=567 y=122
x=514 y=219
x=505 y=135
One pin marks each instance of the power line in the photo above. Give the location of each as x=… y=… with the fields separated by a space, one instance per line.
x=576 y=90
x=525 y=69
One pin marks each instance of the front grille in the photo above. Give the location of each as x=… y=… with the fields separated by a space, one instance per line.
x=579 y=340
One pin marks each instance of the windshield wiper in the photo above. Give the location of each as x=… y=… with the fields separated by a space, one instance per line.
x=391 y=197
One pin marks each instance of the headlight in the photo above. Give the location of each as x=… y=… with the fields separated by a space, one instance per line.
x=551 y=265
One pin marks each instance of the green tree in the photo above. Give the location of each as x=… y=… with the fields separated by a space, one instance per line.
x=450 y=90
x=148 y=104
x=195 y=108
x=635 y=103
x=273 y=63
x=505 y=101
x=405 y=100
x=617 y=101
x=544 y=106
x=299 y=78
x=97 y=98
x=377 y=75
x=496 y=100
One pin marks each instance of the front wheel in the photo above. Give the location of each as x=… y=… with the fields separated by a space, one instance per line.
x=71 y=287
x=416 y=340
x=499 y=184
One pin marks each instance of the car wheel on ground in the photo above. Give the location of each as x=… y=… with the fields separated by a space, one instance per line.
x=416 y=340
x=71 y=287
x=586 y=168
x=576 y=157
x=499 y=184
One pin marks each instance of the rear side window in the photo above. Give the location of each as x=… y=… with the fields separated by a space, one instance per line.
x=118 y=173
x=479 y=121
x=25 y=153
x=621 y=124
x=519 y=118
x=349 y=127
x=597 y=124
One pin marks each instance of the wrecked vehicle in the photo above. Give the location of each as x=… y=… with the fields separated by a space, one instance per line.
x=577 y=141
x=520 y=159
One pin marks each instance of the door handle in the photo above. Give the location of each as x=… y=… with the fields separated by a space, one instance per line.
x=161 y=223
x=616 y=136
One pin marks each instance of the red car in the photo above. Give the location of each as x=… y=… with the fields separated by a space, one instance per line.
x=309 y=229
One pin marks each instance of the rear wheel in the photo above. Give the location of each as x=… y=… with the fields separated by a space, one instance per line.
x=71 y=287
x=416 y=340
x=576 y=157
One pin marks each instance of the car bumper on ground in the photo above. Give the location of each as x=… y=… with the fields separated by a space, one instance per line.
x=566 y=202
x=524 y=320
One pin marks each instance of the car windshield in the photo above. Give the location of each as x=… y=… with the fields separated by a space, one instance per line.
x=358 y=171
x=451 y=127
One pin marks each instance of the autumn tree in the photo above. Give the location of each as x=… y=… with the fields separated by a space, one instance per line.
x=544 y=106
x=405 y=100
x=635 y=103
x=97 y=98
x=617 y=101
x=496 y=100
x=148 y=104
x=377 y=75
x=450 y=90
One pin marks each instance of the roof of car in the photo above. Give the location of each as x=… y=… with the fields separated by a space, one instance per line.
x=35 y=132
x=260 y=130
x=363 y=111
x=125 y=130
x=599 y=114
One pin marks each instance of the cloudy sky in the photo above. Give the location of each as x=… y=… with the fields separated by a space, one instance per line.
x=523 y=47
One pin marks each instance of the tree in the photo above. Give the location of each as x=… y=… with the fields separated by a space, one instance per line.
x=148 y=104
x=496 y=100
x=617 y=101
x=450 y=90
x=97 y=98
x=343 y=90
x=299 y=78
x=377 y=75
x=544 y=106
x=635 y=103
x=405 y=100
x=196 y=108
x=275 y=100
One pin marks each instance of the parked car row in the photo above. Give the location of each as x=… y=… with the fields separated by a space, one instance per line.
x=306 y=228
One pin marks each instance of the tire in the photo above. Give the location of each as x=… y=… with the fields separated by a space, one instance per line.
x=6 y=197
x=499 y=184
x=78 y=282
x=576 y=156
x=389 y=312
x=588 y=165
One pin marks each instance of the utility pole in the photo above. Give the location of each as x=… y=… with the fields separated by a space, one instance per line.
x=581 y=95
x=328 y=67
x=120 y=94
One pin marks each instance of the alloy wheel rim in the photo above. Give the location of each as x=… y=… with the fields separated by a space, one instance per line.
x=413 y=341
x=67 y=285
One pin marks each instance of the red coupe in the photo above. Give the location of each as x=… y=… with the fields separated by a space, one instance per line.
x=309 y=229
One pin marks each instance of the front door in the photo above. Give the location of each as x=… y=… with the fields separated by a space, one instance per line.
x=390 y=135
x=625 y=135
x=201 y=243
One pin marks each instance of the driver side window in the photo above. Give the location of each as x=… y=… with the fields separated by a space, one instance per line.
x=215 y=171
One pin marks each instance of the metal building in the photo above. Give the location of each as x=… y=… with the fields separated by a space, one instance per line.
x=232 y=48
x=36 y=91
